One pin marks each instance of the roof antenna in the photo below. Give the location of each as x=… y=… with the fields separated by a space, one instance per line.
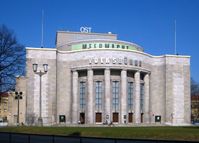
x=42 y=29
x=175 y=50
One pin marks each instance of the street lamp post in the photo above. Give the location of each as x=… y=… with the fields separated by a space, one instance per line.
x=40 y=73
x=18 y=96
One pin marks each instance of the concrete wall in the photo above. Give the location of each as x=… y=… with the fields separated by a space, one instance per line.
x=178 y=90
x=49 y=81
x=63 y=37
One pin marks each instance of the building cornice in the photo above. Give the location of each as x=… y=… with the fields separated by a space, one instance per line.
x=105 y=49
x=124 y=50
x=90 y=33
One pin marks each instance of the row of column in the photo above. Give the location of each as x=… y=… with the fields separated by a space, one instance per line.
x=107 y=100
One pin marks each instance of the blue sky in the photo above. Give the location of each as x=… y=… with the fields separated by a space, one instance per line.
x=148 y=23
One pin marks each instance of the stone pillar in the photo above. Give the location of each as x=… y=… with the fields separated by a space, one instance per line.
x=137 y=97
x=146 y=99
x=75 y=103
x=123 y=103
x=107 y=97
x=90 y=107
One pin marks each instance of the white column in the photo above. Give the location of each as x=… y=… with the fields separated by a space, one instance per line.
x=107 y=98
x=146 y=99
x=75 y=98
x=137 y=97
x=123 y=103
x=90 y=107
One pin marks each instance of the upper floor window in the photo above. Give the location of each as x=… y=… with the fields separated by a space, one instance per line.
x=130 y=96
x=136 y=62
x=82 y=93
x=98 y=95
x=142 y=96
x=115 y=95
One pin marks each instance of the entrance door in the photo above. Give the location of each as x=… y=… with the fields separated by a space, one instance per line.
x=142 y=116
x=130 y=118
x=98 y=117
x=82 y=118
x=115 y=117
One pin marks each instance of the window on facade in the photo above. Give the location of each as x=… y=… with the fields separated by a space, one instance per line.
x=106 y=45
x=140 y=63
x=115 y=95
x=98 y=95
x=82 y=95
x=142 y=96
x=130 y=96
x=136 y=63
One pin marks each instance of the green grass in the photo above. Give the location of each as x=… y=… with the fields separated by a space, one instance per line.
x=163 y=133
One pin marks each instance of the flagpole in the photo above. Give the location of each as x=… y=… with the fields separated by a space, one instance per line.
x=175 y=50
x=42 y=29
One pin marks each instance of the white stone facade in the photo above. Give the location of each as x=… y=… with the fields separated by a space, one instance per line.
x=96 y=79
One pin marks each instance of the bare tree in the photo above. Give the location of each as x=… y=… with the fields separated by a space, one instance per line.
x=12 y=59
x=194 y=87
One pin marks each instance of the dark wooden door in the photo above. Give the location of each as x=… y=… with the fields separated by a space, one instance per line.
x=142 y=116
x=98 y=117
x=115 y=117
x=82 y=118
x=130 y=118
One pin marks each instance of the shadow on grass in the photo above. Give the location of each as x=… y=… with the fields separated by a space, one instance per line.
x=191 y=127
x=75 y=134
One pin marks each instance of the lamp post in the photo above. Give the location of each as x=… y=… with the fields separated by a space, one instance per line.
x=18 y=96
x=40 y=73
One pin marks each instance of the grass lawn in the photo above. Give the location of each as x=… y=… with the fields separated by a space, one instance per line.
x=163 y=133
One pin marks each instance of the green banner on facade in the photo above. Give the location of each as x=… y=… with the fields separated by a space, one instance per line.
x=102 y=45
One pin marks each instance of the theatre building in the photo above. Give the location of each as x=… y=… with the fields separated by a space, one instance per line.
x=94 y=78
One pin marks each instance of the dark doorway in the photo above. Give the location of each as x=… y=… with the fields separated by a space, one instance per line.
x=98 y=117
x=130 y=118
x=115 y=117
x=142 y=117
x=82 y=118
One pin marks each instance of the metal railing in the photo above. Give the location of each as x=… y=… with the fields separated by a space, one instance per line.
x=6 y=137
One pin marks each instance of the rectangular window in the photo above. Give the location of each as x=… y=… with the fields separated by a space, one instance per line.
x=106 y=45
x=130 y=96
x=142 y=96
x=115 y=95
x=82 y=95
x=140 y=63
x=84 y=46
x=136 y=63
x=98 y=95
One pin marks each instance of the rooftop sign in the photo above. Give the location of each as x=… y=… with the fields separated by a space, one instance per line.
x=85 y=29
x=102 y=45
